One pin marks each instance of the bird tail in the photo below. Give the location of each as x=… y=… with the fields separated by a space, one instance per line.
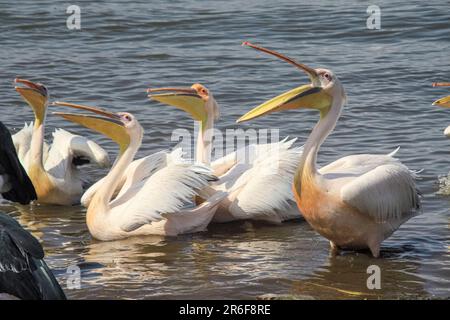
x=49 y=286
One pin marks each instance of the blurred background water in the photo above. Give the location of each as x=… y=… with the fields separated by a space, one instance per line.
x=124 y=47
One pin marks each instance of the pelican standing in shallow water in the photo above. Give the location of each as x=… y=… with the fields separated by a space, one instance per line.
x=257 y=177
x=53 y=170
x=146 y=196
x=443 y=102
x=357 y=201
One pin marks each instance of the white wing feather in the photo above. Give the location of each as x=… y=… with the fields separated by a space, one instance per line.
x=66 y=146
x=377 y=185
x=263 y=186
x=165 y=191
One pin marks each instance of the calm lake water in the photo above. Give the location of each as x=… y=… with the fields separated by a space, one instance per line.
x=124 y=47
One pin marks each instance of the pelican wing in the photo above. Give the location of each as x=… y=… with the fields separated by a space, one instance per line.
x=136 y=172
x=377 y=185
x=167 y=187
x=15 y=184
x=23 y=272
x=69 y=149
x=262 y=184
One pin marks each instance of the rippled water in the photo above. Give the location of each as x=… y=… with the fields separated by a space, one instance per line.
x=125 y=47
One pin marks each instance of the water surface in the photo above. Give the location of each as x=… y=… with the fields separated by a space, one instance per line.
x=125 y=47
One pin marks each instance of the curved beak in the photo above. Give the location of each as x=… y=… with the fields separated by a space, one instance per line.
x=313 y=76
x=186 y=99
x=309 y=96
x=35 y=94
x=104 y=122
x=443 y=102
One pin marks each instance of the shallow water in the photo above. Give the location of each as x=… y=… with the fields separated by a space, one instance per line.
x=123 y=48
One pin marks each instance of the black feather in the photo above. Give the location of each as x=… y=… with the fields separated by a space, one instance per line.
x=22 y=189
x=23 y=272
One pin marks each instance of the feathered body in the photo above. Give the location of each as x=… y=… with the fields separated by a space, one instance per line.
x=60 y=181
x=258 y=181
x=23 y=271
x=256 y=177
x=149 y=196
x=357 y=201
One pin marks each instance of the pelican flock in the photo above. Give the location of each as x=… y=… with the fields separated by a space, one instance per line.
x=257 y=178
x=356 y=202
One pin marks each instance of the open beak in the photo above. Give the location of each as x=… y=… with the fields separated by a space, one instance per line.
x=35 y=94
x=186 y=99
x=104 y=122
x=443 y=102
x=310 y=96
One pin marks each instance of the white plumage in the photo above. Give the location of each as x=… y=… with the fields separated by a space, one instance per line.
x=149 y=196
x=59 y=159
x=257 y=177
x=377 y=185
x=258 y=181
x=154 y=199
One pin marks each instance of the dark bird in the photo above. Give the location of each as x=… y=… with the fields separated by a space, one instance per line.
x=14 y=182
x=23 y=272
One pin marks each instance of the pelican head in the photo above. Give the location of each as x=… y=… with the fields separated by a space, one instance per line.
x=196 y=100
x=317 y=95
x=443 y=102
x=36 y=95
x=120 y=127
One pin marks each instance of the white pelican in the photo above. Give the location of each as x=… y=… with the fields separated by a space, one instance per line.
x=53 y=171
x=443 y=102
x=15 y=185
x=357 y=201
x=257 y=177
x=144 y=197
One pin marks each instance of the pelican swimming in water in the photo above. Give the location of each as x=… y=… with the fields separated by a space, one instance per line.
x=23 y=272
x=146 y=196
x=257 y=177
x=357 y=201
x=443 y=102
x=53 y=170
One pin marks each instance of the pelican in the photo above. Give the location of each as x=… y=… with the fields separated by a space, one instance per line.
x=53 y=170
x=357 y=201
x=443 y=102
x=15 y=185
x=256 y=188
x=146 y=196
x=23 y=272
